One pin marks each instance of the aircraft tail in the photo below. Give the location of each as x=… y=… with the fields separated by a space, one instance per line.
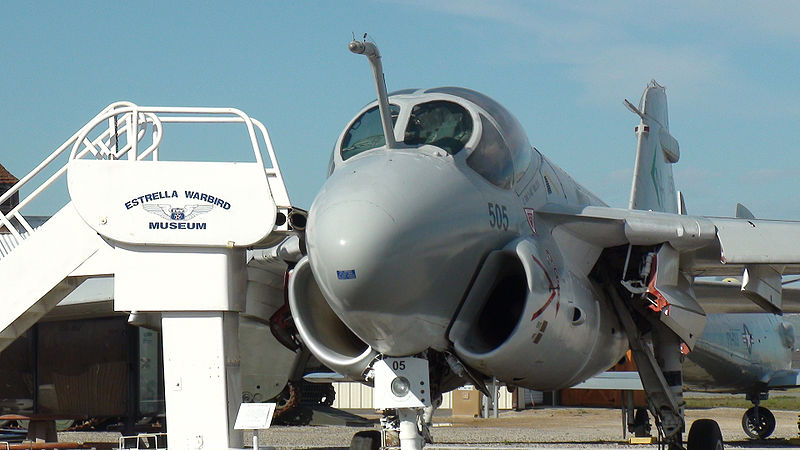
x=653 y=185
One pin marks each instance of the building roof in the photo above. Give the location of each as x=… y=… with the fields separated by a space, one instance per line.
x=6 y=177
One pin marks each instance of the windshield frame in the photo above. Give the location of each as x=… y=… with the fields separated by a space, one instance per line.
x=406 y=100
x=371 y=108
x=422 y=109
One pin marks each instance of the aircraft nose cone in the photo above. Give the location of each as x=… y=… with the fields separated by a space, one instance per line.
x=389 y=246
x=346 y=239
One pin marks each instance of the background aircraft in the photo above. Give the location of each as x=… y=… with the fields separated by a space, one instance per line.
x=744 y=353
x=443 y=247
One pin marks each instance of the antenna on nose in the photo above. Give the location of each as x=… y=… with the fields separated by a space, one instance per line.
x=370 y=50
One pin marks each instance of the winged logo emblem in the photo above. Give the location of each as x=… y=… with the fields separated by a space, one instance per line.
x=172 y=213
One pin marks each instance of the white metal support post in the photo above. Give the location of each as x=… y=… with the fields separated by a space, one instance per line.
x=199 y=292
x=202 y=379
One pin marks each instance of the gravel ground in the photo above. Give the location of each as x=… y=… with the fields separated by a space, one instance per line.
x=556 y=428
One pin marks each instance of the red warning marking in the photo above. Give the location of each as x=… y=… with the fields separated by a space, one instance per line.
x=661 y=303
x=553 y=289
x=529 y=214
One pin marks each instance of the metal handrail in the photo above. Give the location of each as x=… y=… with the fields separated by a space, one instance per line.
x=131 y=120
x=143 y=436
x=134 y=112
x=14 y=213
x=270 y=151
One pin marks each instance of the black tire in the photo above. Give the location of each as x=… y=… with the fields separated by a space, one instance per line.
x=641 y=423
x=705 y=435
x=366 y=440
x=761 y=428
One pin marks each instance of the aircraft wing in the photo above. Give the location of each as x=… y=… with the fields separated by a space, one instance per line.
x=707 y=245
x=681 y=247
x=625 y=380
x=784 y=379
x=630 y=381
x=723 y=297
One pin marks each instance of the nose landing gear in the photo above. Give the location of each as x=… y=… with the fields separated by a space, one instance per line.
x=758 y=422
x=403 y=391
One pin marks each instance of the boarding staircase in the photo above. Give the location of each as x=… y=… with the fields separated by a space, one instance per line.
x=40 y=265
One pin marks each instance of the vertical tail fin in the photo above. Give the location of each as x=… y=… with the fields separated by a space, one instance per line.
x=653 y=186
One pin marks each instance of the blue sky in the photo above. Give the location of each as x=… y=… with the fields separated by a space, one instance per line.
x=563 y=68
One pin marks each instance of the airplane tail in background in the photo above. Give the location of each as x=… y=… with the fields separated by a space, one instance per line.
x=653 y=186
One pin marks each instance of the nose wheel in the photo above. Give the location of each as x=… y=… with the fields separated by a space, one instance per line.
x=758 y=422
x=366 y=440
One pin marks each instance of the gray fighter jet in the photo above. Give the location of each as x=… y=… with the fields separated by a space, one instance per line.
x=445 y=248
x=744 y=353
x=738 y=353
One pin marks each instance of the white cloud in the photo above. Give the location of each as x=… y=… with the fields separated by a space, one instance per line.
x=749 y=20
x=611 y=47
x=610 y=72
x=729 y=69
x=577 y=21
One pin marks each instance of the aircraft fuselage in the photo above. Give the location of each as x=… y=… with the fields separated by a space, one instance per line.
x=397 y=240
x=739 y=353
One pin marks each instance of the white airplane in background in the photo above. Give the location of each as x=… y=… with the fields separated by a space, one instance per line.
x=444 y=249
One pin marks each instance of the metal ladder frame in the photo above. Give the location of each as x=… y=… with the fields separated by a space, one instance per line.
x=130 y=120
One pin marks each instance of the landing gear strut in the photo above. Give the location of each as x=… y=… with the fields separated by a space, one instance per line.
x=658 y=313
x=404 y=392
x=410 y=424
x=758 y=422
x=660 y=372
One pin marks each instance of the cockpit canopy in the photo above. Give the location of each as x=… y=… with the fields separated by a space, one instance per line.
x=453 y=119
x=366 y=132
x=440 y=123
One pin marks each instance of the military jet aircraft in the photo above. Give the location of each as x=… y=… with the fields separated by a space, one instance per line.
x=744 y=353
x=740 y=353
x=445 y=248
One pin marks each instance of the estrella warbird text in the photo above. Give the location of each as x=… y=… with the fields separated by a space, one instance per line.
x=165 y=194
x=177 y=216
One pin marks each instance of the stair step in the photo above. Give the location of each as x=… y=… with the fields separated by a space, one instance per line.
x=35 y=274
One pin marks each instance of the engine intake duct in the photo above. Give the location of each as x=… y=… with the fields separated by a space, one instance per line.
x=321 y=330
x=531 y=322
x=297 y=219
x=507 y=307
x=493 y=307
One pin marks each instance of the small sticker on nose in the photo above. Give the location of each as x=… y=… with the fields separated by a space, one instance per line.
x=346 y=274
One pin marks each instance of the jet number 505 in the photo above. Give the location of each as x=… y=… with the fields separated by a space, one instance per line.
x=498 y=216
